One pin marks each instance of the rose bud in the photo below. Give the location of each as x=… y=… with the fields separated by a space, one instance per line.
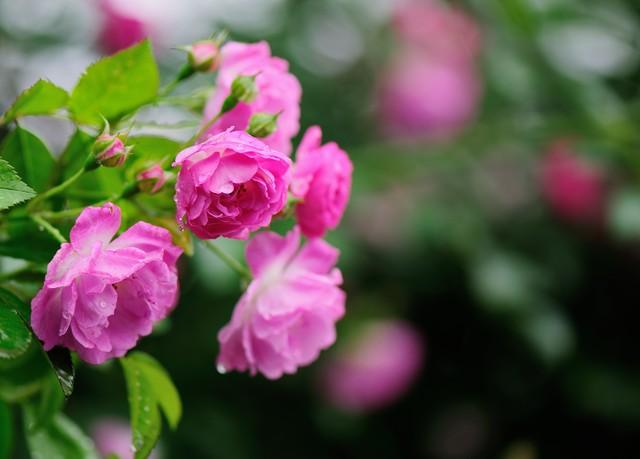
x=262 y=124
x=110 y=151
x=152 y=179
x=244 y=88
x=204 y=56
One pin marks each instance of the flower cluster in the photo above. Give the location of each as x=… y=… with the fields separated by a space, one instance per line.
x=100 y=295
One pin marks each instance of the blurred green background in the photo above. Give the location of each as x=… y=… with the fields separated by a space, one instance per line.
x=517 y=268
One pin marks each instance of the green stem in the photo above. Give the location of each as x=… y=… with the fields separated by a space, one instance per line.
x=205 y=127
x=49 y=227
x=185 y=72
x=229 y=260
x=89 y=165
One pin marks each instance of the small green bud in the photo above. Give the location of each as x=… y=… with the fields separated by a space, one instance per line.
x=262 y=124
x=244 y=88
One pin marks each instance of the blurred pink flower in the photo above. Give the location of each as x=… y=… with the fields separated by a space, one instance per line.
x=288 y=313
x=422 y=97
x=119 y=29
x=229 y=185
x=376 y=368
x=113 y=436
x=322 y=180
x=152 y=179
x=278 y=92
x=99 y=296
x=573 y=186
x=431 y=87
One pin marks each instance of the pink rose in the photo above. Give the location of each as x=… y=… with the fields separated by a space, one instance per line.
x=113 y=436
x=288 y=313
x=420 y=97
x=375 y=369
x=99 y=296
x=229 y=185
x=573 y=186
x=119 y=29
x=322 y=180
x=278 y=92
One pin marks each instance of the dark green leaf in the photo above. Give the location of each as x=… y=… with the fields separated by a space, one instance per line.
x=42 y=98
x=12 y=190
x=60 y=439
x=23 y=239
x=116 y=85
x=30 y=157
x=9 y=300
x=60 y=360
x=50 y=402
x=25 y=375
x=6 y=431
x=15 y=337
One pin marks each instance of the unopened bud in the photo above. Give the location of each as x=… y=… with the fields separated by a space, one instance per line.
x=152 y=179
x=204 y=56
x=262 y=124
x=110 y=151
x=244 y=88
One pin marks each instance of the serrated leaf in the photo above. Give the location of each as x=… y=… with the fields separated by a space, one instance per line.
x=116 y=85
x=60 y=360
x=59 y=439
x=43 y=98
x=12 y=190
x=150 y=389
x=30 y=157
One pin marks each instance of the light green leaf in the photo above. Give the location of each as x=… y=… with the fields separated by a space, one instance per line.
x=43 y=98
x=30 y=157
x=150 y=389
x=60 y=439
x=116 y=85
x=6 y=431
x=12 y=190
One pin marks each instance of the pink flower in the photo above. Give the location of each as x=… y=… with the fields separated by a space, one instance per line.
x=322 y=180
x=229 y=185
x=110 y=150
x=288 y=313
x=119 y=29
x=573 y=186
x=278 y=92
x=99 y=296
x=420 y=97
x=152 y=179
x=113 y=436
x=376 y=369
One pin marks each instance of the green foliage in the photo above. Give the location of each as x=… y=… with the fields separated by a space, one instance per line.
x=148 y=150
x=59 y=439
x=116 y=86
x=30 y=157
x=6 y=431
x=12 y=190
x=23 y=239
x=15 y=337
x=43 y=98
x=150 y=390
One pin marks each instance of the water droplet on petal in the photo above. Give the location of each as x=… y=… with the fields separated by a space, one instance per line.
x=221 y=369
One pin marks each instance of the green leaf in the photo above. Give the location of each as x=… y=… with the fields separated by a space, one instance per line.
x=60 y=439
x=150 y=389
x=15 y=337
x=24 y=376
x=149 y=150
x=24 y=239
x=30 y=157
x=6 y=431
x=9 y=300
x=60 y=360
x=116 y=85
x=43 y=98
x=12 y=190
x=76 y=152
x=49 y=404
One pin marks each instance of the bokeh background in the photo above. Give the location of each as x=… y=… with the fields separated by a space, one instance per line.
x=490 y=251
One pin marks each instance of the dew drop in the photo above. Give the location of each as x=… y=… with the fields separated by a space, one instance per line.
x=221 y=369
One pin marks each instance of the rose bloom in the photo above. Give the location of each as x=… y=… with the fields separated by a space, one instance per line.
x=229 y=185
x=278 y=92
x=99 y=296
x=113 y=436
x=376 y=368
x=119 y=29
x=573 y=186
x=288 y=313
x=422 y=97
x=322 y=180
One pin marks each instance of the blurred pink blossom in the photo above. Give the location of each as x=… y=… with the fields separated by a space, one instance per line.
x=431 y=87
x=113 y=436
x=376 y=368
x=573 y=186
x=119 y=28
